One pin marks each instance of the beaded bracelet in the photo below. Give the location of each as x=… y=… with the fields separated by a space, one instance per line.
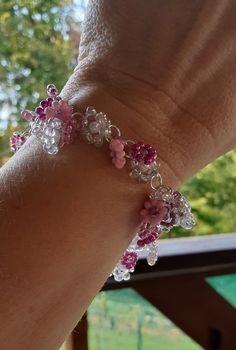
x=55 y=125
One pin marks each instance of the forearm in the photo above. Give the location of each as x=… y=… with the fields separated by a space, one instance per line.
x=65 y=221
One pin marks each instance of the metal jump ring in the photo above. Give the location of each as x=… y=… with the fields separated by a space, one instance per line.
x=77 y=114
x=129 y=143
x=156 y=177
x=108 y=135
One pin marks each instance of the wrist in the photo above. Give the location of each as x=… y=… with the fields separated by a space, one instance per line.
x=133 y=125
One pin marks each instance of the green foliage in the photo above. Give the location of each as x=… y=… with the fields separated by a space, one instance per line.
x=35 y=49
x=213 y=197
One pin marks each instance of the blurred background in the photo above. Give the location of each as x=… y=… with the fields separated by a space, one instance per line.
x=39 y=45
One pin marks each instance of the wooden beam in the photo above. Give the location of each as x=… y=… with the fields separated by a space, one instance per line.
x=176 y=286
x=193 y=306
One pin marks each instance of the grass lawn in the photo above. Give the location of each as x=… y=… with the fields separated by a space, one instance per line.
x=124 y=320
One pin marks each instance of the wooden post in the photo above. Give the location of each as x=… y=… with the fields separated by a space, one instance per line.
x=80 y=335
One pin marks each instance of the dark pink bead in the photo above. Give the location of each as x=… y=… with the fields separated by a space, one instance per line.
x=143 y=153
x=42 y=116
x=139 y=157
x=49 y=100
x=44 y=104
x=39 y=110
x=27 y=115
x=171 y=222
x=53 y=91
x=149 y=159
x=129 y=259
x=17 y=140
x=147 y=236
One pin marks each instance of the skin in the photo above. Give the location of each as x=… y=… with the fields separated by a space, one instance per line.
x=165 y=72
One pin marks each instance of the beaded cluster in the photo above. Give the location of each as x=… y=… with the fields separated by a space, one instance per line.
x=54 y=124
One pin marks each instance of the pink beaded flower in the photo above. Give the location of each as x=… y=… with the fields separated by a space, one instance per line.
x=143 y=153
x=154 y=211
x=59 y=109
x=17 y=140
x=117 y=153
x=147 y=236
x=129 y=259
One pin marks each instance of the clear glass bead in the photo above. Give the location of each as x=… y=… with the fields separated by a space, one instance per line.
x=91 y=111
x=36 y=128
x=49 y=131
x=56 y=137
x=94 y=127
x=118 y=277
x=50 y=148
x=55 y=123
x=187 y=221
x=126 y=276
x=141 y=171
x=152 y=255
x=47 y=140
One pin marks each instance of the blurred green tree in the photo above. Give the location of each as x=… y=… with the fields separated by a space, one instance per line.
x=213 y=197
x=36 y=49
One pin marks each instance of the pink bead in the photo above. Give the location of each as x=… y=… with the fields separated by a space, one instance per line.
x=55 y=105
x=143 y=153
x=49 y=101
x=119 y=163
x=148 y=236
x=17 y=140
x=118 y=147
x=26 y=115
x=44 y=104
x=39 y=110
x=129 y=259
x=49 y=111
x=118 y=153
x=112 y=146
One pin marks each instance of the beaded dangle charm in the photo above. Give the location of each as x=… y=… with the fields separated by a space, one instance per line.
x=55 y=125
x=163 y=210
